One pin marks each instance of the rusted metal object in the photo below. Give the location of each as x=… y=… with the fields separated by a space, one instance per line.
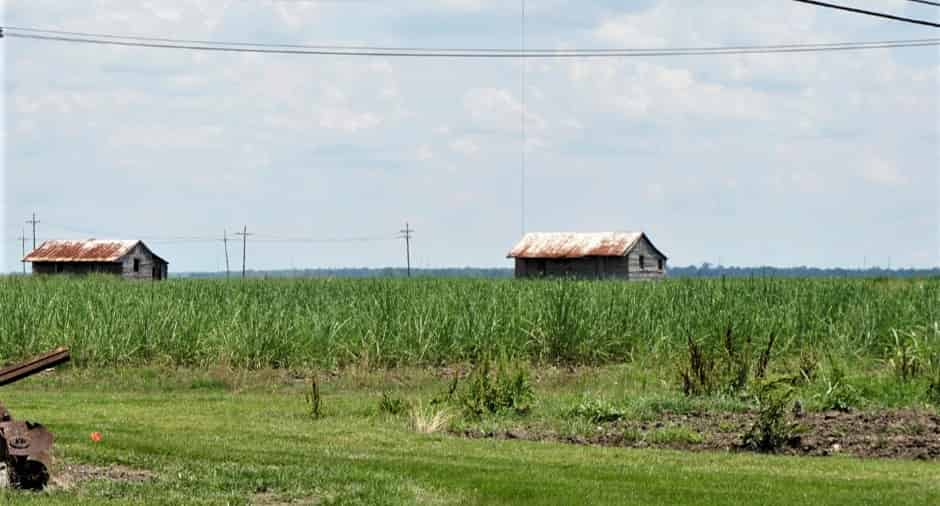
x=24 y=446
x=81 y=251
x=574 y=245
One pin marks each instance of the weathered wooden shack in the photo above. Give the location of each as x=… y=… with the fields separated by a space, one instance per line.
x=128 y=259
x=603 y=255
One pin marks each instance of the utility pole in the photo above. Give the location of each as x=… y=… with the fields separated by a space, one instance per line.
x=244 y=233
x=225 y=242
x=33 y=222
x=23 y=240
x=407 y=237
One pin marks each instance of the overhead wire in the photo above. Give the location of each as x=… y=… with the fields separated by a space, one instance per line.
x=245 y=47
x=425 y=49
x=869 y=13
x=925 y=2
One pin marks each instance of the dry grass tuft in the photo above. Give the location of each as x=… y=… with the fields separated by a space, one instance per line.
x=428 y=420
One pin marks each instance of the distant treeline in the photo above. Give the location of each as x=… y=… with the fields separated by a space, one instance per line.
x=705 y=270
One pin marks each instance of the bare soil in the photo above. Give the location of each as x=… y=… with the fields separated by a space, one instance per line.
x=67 y=476
x=905 y=434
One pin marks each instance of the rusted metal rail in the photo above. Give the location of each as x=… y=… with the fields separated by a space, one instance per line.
x=24 y=446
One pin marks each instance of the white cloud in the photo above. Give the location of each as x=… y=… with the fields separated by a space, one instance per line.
x=424 y=153
x=358 y=133
x=465 y=146
x=882 y=172
x=498 y=108
x=336 y=118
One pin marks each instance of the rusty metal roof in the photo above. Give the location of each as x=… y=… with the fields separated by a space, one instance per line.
x=91 y=250
x=575 y=245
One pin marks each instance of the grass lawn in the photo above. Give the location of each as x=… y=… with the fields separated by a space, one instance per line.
x=251 y=442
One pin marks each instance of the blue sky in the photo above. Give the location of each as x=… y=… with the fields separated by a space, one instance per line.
x=827 y=159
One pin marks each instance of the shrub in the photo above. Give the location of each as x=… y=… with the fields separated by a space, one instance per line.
x=839 y=394
x=503 y=389
x=773 y=430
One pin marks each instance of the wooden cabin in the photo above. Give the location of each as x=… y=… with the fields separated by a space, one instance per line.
x=603 y=255
x=128 y=259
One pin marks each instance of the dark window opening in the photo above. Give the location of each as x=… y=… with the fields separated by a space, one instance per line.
x=642 y=262
x=59 y=267
x=659 y=263
x=136 y=265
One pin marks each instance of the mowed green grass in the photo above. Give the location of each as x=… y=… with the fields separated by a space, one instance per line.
x=393 y=322
x=208 y=444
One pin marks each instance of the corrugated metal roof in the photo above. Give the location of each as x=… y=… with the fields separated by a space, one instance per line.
x=91 y=250
x=574 y=245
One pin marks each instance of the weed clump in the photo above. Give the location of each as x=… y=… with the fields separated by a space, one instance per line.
x=597 y=411
x=839 y=395
x=906 y=356
x=428 y=419
x=726 y=371
x=933 y=389
x=773 y=430
x=313 y=399
x=504 y=388
x=391 y=405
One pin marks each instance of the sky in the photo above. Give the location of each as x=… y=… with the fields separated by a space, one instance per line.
x=821 y=159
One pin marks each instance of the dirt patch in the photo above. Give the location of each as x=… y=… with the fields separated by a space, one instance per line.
x=69 y=475
x=271 y=499
x=907 y=434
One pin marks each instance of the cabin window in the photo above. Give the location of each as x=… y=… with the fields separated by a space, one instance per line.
x=642 y=262
x=659 y=263
x=136 y=265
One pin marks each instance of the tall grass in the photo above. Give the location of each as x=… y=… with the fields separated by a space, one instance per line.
x=388 y=322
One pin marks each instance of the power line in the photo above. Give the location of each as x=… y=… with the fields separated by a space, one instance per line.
x=925 y=2
x=870 y=13
x=425 y=49
x=561 y=53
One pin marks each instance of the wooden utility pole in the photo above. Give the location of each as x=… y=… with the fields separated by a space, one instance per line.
x=407 y=231
x=225 y=242
x=23 y=240
x=33 y=222
x=244 y=233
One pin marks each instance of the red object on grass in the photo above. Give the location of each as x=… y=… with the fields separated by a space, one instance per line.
x=96 y=436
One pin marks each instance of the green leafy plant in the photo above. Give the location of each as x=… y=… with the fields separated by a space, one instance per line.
x=597 y=411
x=838 y=395
x=773 y=429
x=905 y=356
x=501 y=389
x=809 y=364
x=391 y=405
